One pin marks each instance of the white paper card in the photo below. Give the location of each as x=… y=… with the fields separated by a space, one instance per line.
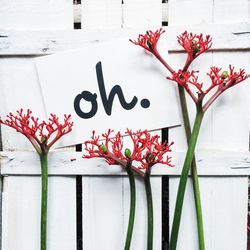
x=112 y=84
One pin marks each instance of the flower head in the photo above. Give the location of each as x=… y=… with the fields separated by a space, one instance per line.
x=220 y=81
x=149 y=40
x=147 y=150
x=43 y=134
x=194 y=44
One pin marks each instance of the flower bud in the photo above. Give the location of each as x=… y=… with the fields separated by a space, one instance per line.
x=149 y=43
x=224 y=75
x=127 y=152
x=103 y=148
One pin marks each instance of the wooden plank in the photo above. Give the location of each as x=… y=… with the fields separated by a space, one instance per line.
x=211 y=163
x=190 y=12
x=99 y=14
x=222 y=11
x=225 y=37
x=39 y=14
x=21 y=213
x=142 y=13
x=224 y=202
x=102 y=213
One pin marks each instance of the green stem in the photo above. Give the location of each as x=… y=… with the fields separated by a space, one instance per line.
x=132 y=207
x=195 y=180
x=44 y=197
x=183 y=178
x=150 y=210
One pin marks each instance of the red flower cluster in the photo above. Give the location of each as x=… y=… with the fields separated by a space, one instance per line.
x=221 y=79
x=43 y=134
x=147 y=150
x=194 y=44
x=149 y=40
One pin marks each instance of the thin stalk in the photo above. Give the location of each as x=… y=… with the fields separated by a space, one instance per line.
x=44 y=197
x=132 y=207
x=150 y=210
x=183 y=179
x=195 y=180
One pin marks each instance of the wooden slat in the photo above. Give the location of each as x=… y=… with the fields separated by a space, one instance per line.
x=210 y=163
x=230 y=11
x=34 y=15
x=102 y=213
x=190 y=12
x=225 y=37
x=203 y=11
x=99 y=14
x=21 y=213
x=142 y=13
x=224 y=203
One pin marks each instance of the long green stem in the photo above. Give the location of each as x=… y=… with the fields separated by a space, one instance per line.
x=195 y=180
x=150 y=210
x=132 y=207
x=44 y=197
x=183 y=179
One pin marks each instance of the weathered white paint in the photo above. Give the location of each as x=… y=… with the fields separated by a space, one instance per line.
x=225 y=37
x=210 y=163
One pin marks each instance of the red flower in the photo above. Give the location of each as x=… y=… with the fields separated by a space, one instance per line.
x=225 y=79
x=149 y=40
x=42 y=135
x=220 y=80
x=186 y=79
x=146 y=149
x=194 y=44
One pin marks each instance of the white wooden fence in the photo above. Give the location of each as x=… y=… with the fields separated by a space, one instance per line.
x=33 y=28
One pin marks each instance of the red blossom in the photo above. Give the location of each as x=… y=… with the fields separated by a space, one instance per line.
x=149 y=40
x=147 y=150
x=186 y=79
x=43 y=134
x=225 y=79
x=221 y=80
x=194 y=44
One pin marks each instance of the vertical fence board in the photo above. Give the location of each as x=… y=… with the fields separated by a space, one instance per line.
x=99 y=14
x=190 y=12
x=39 y=14
x=141 y=13
x=102 y=213
x=21 y=213
x=224 y=202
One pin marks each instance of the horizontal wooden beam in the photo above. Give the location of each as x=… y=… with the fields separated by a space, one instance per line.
x=27 y=43
x=210 y=163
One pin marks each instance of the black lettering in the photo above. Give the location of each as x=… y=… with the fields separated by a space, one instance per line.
x=116 y=90
x=89 y=97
